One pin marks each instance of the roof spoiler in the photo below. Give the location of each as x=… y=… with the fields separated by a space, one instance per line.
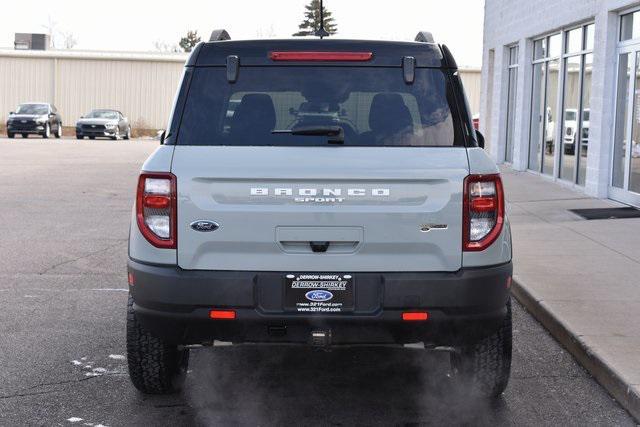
x=424 y=37
x=219 y=35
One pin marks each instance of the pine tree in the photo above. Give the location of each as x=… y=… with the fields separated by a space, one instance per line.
x=188 y=43
x=311 y=22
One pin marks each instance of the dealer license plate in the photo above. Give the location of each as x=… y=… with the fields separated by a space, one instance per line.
x=319 y=293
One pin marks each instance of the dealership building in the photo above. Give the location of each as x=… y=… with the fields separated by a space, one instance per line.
x=561 y=92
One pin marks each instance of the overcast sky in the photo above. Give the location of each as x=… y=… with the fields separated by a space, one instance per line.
x=136 y=25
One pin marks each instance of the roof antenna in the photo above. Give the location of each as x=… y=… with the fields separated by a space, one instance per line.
x=321 y=32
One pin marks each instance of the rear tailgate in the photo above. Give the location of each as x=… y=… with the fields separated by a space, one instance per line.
x=378 y=208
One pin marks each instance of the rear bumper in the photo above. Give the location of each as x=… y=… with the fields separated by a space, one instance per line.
x=463 y=306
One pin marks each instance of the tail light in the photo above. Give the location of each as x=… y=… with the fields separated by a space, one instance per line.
x=483 y=211
x=156 y=209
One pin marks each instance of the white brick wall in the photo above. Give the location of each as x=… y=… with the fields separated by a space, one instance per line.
x=515 y=21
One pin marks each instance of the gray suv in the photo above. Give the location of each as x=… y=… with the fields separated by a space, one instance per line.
x=320 y=192
x=39 y=118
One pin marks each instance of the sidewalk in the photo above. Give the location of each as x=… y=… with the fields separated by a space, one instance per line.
x=579 y=278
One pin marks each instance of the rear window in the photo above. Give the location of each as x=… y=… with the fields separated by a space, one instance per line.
x=373 y=105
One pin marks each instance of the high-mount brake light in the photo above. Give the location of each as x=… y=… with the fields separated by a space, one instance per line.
x=483 y=211
x=156 y=209
x=321 y=56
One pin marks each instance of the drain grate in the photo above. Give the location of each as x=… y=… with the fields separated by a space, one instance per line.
x=607 y=213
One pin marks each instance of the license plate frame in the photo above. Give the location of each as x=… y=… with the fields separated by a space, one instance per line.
x=319 y=293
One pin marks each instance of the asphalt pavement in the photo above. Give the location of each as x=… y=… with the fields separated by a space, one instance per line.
x=64 y=215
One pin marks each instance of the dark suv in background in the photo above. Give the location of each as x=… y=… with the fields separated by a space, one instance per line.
x=35 y=118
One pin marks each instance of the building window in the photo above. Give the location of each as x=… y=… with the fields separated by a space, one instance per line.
x=578 y=66
x=511 y=101
x=567 y=54
x=630 y=26
x=546 y=71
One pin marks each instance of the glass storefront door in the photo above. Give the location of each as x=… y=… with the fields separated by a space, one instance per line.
x=625 y=171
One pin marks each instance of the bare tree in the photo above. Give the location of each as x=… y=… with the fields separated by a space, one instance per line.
x=266 y=33
x=162 y=46
x=70 y=40
x=51 y=26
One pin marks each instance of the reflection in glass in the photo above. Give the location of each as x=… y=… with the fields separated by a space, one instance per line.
x=551 y=116
x=570 y=131
x=574 y=41
x=622 y=101
x=630 y=26
x=589 y=36
x=539 y=49
x=555 y=45
x=634 y=167
x=537 y=117
x=511 y=110
x=586 y=113
x=513 y=55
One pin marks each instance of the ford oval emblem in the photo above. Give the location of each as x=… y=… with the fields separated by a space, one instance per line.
x=318 y=295
x=204 y=226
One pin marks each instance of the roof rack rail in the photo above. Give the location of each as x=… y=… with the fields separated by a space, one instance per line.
x=219 y=35
x=425 y=37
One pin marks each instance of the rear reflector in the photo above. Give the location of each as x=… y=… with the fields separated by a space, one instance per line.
x=483 y=204
x=130 y=279
x=415 y=316
x=321 y=56
x=156 y=202
x=222 y=314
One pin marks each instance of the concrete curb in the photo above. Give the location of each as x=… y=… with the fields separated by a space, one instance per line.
x=597 y=366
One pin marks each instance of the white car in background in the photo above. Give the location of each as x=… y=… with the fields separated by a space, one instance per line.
x=571 y=129
x=549 y=131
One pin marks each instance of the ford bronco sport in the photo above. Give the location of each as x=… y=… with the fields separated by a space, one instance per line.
x=320 y=192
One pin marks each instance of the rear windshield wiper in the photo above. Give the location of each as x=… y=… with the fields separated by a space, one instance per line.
x=335 y=133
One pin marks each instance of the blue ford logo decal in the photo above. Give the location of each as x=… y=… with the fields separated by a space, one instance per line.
x=318 y=296
x=204 y=226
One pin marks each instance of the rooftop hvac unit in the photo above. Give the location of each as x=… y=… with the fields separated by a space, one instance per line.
x=29 y=41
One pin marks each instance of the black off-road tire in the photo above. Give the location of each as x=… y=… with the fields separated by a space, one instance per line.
x=485 y=366
x=155 y=367
x=10 y=135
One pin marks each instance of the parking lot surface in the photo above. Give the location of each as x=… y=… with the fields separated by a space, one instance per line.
x=65 y=208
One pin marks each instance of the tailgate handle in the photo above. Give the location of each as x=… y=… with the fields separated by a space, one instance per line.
x=319 y=247
x=320 y=240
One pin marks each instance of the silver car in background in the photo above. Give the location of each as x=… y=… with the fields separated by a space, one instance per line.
x=103 y=124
